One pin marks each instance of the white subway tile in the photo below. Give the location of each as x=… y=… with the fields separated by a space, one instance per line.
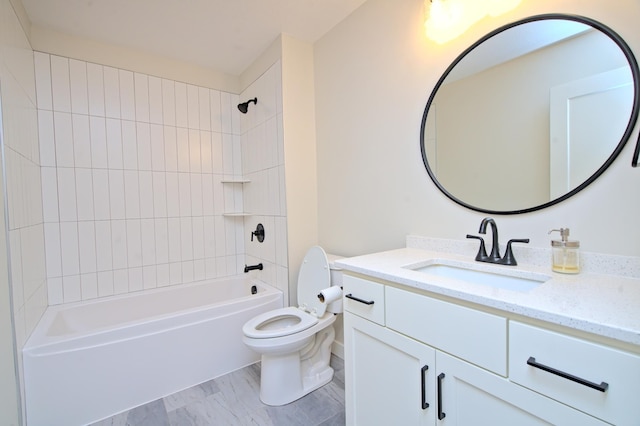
x=87 y=246
x=225 y=113
x=127 y=95
x=175 y=252
x=205 y=152
x=53 y=253
x=120 y=281
x=81 y=140
x=182 y=144
x=283 y=193
x=147 y=236
x=227 y=154
x=146 y=194
x=99 y=156
x=155 y=100
x=149 y=277
x=271 y=143
x=132 y=194
x=162 y=240
x=79 y=94
x=42 y=66
x=63 y=139
x=84 y=194
x=235 y=113
x=49 y=194
x=141 y=82
x=210 y=268
x=157 y=148
x=168 y=103
x=163 y=277
x=46 y=136
x=220 y=240
x=71 y=288
x=204 y=103
x=196 y=194
x=230 y=235
x=187 y=271
x=69 y=248
x=111 y=92
x=104 y=250
x=207 y=195
x=184 y=187
x=105 y=284
x=194 y=151
x=198 y=237
x=95 y=82
x=134 y=244
x=170 y=149
x=114 y=143
x=199 y=271
x=216 y=153
x=159 y=195
x=101 y=195
x=119 y=244
x=175 y=273
x=143 y=136
x=117 y=194
x=216 y=111
x=129 y=145
x=136 y=280
x=173 y=195
x=67 y=194
x=55 y=293
x=193 y=107
x=60 y=85
x=209 y=237
x=218 y=195
x=181 y=105
x=89 y=286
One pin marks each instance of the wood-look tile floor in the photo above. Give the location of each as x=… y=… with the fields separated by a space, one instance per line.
x=233 y=399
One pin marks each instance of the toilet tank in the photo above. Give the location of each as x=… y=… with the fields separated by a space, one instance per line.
x=336 y=280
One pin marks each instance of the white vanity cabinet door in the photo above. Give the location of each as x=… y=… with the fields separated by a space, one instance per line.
x=385 y=376
x=471 y=396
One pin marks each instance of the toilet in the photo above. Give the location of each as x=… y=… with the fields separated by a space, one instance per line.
x=295 y=342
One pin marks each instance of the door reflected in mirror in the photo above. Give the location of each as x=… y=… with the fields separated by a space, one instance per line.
x=530 y=114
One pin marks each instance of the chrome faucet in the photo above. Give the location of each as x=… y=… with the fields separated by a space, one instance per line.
x=495 y=257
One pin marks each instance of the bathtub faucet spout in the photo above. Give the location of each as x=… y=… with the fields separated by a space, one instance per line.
x=252 y=267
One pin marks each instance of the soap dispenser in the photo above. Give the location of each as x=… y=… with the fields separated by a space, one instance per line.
x=565 y=254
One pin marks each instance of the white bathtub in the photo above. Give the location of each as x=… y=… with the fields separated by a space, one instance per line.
x=89 y=360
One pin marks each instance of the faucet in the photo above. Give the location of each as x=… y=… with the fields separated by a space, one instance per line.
x=248 y=268
x=495 y=257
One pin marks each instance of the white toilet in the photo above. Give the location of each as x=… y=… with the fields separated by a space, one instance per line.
x=295 y=342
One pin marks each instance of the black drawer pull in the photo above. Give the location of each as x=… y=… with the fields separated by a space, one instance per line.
x=441 y=414
x=352 y=297
x=602 y=387
x=423 y=381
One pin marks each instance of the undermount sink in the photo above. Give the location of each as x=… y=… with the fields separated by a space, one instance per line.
x=516 y=280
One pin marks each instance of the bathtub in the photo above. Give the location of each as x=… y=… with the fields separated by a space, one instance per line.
x=90 y=360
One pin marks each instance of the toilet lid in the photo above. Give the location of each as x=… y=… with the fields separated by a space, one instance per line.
x=314 y=276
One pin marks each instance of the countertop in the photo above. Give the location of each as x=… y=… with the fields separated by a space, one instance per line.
x=602 y=304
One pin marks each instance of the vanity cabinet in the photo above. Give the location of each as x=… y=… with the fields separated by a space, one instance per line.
x=432 y=362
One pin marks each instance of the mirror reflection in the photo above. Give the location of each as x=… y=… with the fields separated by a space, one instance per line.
x=529 y=115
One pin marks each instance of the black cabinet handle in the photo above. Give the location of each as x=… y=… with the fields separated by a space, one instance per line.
x=441 y=414
x=352 y=297
x=423 y=381
x=602 y=387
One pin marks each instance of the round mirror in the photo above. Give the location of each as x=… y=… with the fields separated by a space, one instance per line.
x=530 y=114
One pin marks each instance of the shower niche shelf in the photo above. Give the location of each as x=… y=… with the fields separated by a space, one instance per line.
x=237 y=214
x=235 y=181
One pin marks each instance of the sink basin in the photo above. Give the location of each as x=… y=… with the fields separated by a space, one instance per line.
x=486 y=275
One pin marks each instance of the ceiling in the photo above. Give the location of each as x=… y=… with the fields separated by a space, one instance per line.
x=224 y=35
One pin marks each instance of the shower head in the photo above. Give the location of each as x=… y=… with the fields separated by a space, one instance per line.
x=243 y=107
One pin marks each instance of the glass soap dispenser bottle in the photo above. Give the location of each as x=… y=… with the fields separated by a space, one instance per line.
x=565 y=254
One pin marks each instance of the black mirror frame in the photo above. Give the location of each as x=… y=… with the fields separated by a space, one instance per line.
x=633 y=64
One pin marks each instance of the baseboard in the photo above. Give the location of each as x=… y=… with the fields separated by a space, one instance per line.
x=338 y=349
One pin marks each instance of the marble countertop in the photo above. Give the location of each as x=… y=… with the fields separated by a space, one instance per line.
x=603 y=304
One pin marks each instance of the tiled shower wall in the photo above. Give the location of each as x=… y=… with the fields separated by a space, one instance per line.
x=132 y=166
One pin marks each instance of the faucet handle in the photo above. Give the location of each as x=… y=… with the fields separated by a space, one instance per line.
x=508 y=258
x=482 y=252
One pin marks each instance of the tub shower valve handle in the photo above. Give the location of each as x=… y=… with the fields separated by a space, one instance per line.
x=248 y=268
x=258 y=233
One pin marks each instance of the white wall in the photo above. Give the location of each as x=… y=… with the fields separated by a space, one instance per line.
x=374 y=73
x=131 y=180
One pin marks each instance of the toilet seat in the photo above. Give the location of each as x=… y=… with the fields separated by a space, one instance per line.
x=278 y=323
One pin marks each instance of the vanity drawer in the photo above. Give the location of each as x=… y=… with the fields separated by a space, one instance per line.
x=364 y=298
x=477 y=337
x=603 y=382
